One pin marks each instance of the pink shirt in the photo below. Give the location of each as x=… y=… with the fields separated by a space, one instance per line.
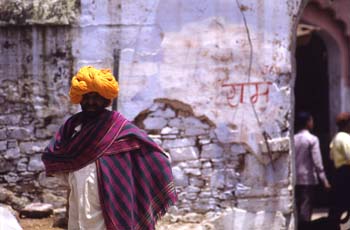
x=308 y=157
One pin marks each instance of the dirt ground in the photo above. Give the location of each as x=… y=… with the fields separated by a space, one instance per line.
x=37 y=224
x=164 y=224
x=46 y=224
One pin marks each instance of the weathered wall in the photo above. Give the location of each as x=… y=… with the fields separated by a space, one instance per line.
x=35 y=67
x=236 y=75
x=208 y=79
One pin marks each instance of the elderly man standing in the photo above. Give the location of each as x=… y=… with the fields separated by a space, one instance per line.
x=309 y=166
x=118 y=177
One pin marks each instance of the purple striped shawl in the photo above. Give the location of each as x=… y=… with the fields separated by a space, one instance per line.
x=135 y=180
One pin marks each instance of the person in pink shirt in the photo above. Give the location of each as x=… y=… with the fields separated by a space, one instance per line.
x=309 y=166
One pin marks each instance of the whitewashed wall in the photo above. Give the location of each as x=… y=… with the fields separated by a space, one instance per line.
x=204 y=55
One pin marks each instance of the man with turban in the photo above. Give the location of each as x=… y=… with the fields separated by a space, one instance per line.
x=119 y=178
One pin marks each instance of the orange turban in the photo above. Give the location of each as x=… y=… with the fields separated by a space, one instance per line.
x=88 y=79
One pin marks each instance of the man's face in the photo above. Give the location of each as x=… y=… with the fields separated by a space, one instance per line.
x=93 y=103
x=310 y=123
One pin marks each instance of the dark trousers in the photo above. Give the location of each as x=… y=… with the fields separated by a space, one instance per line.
x=304 y=201
x=341 y=194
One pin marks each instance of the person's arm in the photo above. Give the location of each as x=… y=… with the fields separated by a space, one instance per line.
x=331 y=146
x=346 y=147
x=317 y=159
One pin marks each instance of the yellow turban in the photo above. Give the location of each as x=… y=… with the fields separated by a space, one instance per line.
x=88 y=79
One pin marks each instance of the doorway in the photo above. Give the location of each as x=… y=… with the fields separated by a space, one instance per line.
x=312 y=94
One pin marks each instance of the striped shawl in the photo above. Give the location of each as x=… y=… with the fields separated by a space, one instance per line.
x=134 y=175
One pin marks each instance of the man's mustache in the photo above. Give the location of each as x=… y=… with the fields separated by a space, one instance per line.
x=91 y=107
x=90 y=114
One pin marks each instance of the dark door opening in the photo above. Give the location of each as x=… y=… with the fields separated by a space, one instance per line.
x=311 y=94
